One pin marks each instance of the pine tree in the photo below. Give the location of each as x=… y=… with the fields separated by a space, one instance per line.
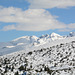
x=16 y=73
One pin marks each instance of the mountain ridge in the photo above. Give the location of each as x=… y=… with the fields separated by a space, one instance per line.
x=24 y=42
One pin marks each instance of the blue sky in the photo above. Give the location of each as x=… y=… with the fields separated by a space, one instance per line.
x=35 y=17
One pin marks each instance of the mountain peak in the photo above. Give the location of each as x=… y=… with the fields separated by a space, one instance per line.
x=72 y=34
x=44 y=36
x=54 y=34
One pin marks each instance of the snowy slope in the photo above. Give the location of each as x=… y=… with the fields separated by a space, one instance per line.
x=52 y=58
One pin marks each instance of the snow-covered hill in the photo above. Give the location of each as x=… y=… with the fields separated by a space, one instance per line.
x=45 y=55
x=52 y=58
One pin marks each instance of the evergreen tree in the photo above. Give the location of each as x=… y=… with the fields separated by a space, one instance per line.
x=16 y=73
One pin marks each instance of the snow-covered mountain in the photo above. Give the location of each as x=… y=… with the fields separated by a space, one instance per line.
x=29 y=42
x=48 y=57
x=72 y=34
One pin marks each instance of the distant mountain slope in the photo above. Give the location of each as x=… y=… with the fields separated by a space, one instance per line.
x=30 y=42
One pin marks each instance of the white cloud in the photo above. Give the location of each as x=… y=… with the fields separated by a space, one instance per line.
x=69 y=27
x=72 y=25
x=51 y=3
x=9 y=27
x=30 y=20
x=12 y=14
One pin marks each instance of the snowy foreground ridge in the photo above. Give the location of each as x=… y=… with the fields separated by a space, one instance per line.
x=46 y=55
